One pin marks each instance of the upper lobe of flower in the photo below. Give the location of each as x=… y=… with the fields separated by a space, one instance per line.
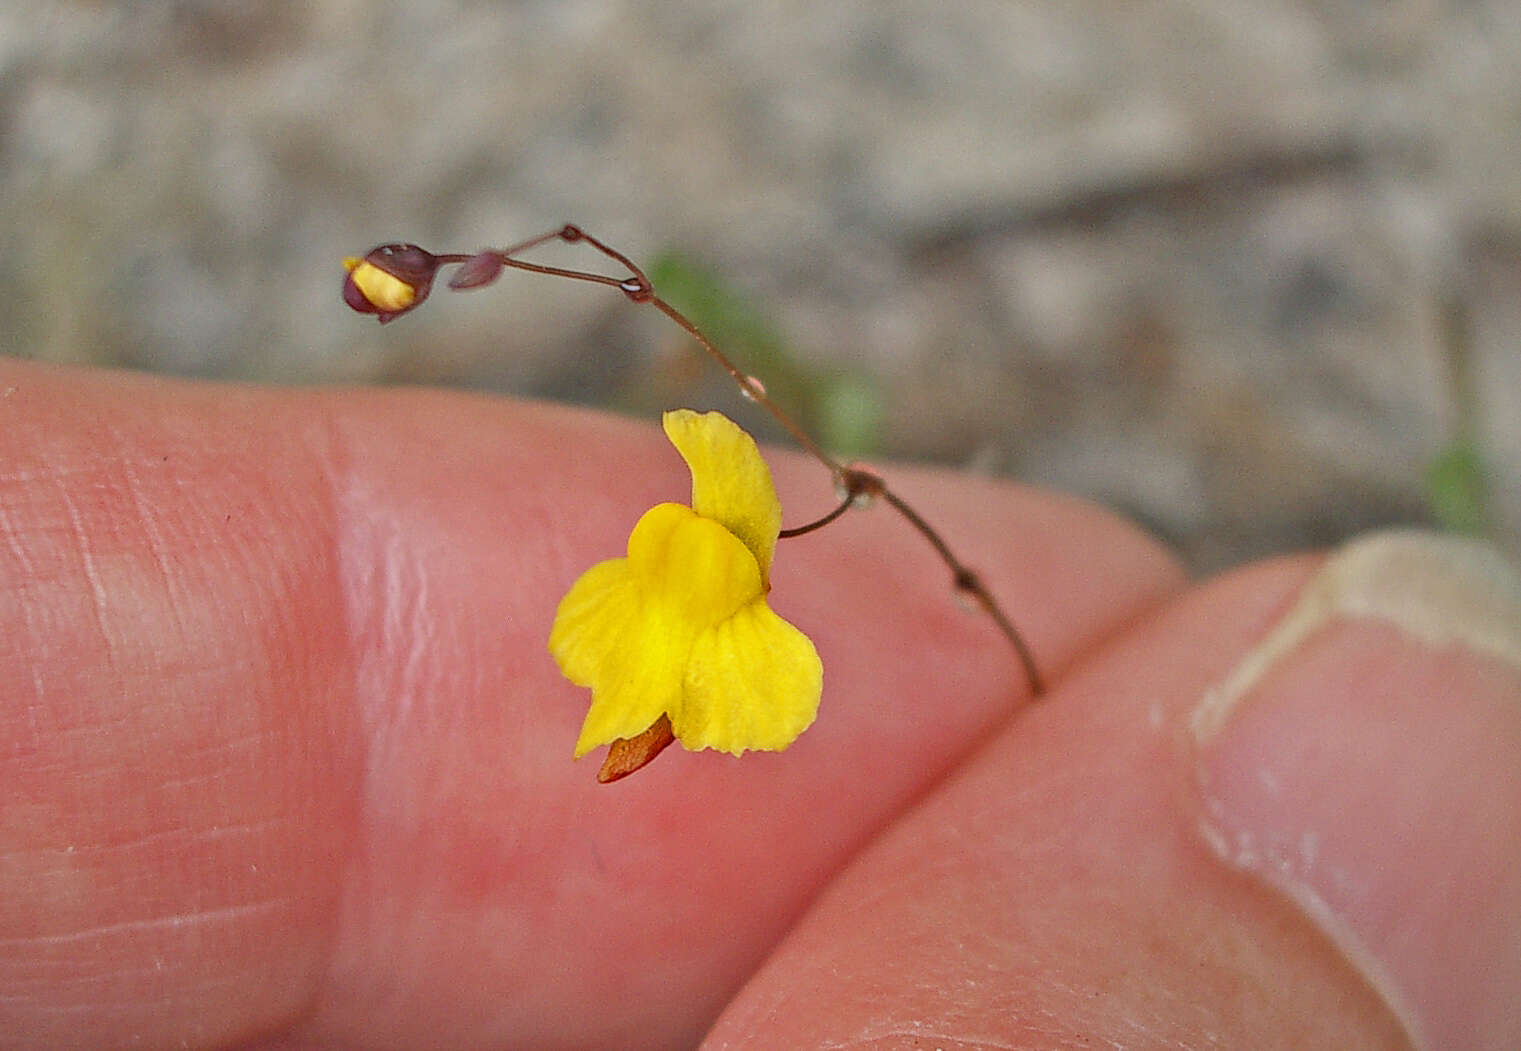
x=390 y=280
x=680 y=626
x=731 y=484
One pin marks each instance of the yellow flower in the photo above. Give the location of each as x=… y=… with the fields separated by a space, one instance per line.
x=680 y=628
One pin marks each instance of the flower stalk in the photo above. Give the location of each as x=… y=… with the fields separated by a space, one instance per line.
x=394 y=279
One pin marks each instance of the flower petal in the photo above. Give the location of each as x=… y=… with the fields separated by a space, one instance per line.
x=627 y=626
x=383 y=291
x=731 y=484
x=752 y=681
x=693 y=565
x=597 y=641
x=594 y=613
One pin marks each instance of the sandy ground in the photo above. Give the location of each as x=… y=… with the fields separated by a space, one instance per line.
x=1240 y=271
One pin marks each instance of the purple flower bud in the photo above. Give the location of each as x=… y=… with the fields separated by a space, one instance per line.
x=390 y=280
x=480 y=269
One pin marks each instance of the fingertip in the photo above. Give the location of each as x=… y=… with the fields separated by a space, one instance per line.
x=1362 y=758
x=1055 y=889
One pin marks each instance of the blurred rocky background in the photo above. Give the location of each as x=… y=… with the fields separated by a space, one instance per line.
x=1243 y=271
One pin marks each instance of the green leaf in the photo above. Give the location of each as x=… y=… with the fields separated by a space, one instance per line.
x=1457 y=488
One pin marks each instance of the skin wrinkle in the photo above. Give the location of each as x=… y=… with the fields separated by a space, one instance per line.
x=422 y=773
x=331 y=457
x=224 y=914
x=256 y=828
x=36 y=636
x=91 y=572
x=397 y=633
x=95 y=986
x=162 y=558
x=390 y=615
x=383 y=609
x=388 y=621
x=406 y=624
x=182 y=820
x=13 y=538
x=871 y=1035
x=327 y=455
x=93 y=736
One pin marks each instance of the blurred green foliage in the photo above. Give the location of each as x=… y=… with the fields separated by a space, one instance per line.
x=1457 y=484
x=843 y=410
x=1458 y=488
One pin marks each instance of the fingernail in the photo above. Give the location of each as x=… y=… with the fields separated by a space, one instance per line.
x=1365 y=759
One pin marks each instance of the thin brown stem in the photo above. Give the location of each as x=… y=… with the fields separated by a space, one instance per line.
x=750 y=388
x=639 y=289
x=854 y=481
x=819 y=523
x=967 y=581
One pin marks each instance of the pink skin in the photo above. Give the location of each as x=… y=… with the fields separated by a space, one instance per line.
x=286 y=763
x=1055 y=892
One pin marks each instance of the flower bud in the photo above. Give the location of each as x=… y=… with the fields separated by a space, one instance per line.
x=480 y=269
x=390 y=280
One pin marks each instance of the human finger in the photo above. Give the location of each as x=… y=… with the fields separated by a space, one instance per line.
x=291 y=756
x=1220 y=832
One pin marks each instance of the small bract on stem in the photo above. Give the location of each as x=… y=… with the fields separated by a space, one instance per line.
x=393 y=279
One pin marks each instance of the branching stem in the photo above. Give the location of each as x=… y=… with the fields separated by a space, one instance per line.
x=855 y=483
